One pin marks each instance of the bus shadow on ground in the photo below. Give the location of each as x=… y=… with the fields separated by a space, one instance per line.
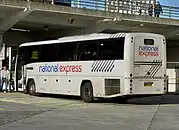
x=154 y=100
x=58 y=96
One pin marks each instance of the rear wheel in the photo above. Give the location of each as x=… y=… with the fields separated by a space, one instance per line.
x=87 y=92
x=25 y=91
x=32 y=88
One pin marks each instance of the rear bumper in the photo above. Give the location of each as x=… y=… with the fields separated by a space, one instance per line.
x=147 y=87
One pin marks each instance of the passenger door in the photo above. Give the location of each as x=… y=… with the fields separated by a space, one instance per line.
x=24 y=76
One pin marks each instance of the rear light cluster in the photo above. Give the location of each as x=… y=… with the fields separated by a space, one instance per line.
x=132 y=39
x=165 y=83
x=131 y=83
x=164 y=41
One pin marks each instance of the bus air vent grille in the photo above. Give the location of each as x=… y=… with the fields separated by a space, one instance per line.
x=112 y=86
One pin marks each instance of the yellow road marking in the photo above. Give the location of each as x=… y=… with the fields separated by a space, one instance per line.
x=65 y=105
x=7 y=100
x=1 y=109
x=167 y=105
x=76 y=105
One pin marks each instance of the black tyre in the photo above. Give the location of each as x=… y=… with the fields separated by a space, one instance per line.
x=26 y=91
x=32 y=88
x=87 y=92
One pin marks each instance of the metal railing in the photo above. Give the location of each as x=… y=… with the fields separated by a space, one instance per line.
x=119 y=6
x=126 y=7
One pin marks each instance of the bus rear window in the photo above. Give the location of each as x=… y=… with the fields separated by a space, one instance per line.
x=149 y=41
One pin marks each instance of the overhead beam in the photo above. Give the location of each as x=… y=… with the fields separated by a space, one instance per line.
x=71 y=32
x=174 y=31
x=100 y=26
x=8 y=22
x=121 y=25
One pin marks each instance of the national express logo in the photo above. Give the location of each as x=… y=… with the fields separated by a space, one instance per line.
x=148 y=51
x=60 y=68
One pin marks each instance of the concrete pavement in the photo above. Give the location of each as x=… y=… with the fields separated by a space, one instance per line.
x=20 y=111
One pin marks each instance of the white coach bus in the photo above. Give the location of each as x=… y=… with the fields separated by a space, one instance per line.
x=95 y=66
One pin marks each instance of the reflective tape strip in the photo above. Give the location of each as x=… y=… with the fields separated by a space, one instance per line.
x=118 y=35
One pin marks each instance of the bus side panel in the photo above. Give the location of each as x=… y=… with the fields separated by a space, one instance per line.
x=66 y=77
x=94 y=71
x=67 y=85
x=60 y=85
x=43 y=84
x=75 y=85
x=40 y=81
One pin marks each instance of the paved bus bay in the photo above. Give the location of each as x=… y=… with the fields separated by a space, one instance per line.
x=19 y=111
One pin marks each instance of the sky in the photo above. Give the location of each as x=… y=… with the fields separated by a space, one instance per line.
x=170 y=2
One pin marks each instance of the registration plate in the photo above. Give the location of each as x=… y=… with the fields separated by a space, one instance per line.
x=148 y=84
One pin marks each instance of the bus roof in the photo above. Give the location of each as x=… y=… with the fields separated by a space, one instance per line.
x=76 y=38
x=86 y=37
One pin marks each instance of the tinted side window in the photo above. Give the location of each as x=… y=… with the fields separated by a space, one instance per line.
x=87 y=50
x=48 y=53
x=66 y=51
x=29 y=54
x=32 y=54
x=111 y=49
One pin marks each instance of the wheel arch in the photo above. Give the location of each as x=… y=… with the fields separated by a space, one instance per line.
x=83 y=82
x=27 y=85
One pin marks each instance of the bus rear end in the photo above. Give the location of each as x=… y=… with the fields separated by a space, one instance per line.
x=149 y=65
